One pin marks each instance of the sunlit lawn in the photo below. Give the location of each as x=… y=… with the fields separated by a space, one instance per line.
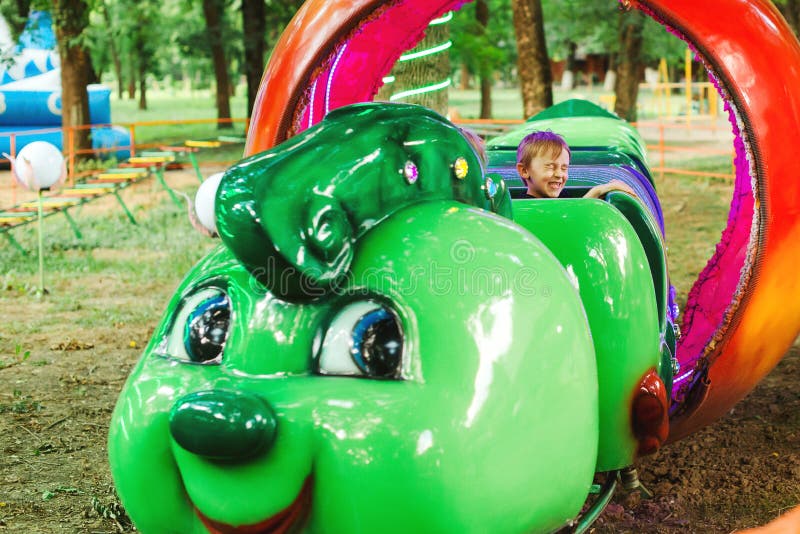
x=182 y=106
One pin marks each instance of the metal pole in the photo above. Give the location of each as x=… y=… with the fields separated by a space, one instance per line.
x=41 y=248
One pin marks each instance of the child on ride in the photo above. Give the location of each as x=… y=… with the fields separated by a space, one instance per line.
x=543 y=164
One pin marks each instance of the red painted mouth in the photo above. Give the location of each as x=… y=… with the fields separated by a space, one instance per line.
x=280 y=523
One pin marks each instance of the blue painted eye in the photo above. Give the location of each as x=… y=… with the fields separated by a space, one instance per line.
x=206 y=329
x=200 y=328
x=363 y=339
x=377 y=344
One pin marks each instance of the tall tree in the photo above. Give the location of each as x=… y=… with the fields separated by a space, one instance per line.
x=214 y=12
x=254 y=25
x=423 y=79
x=568 y=78
x=482 y=17
x=483 y=43
x=533 y=63
x=579 y=25
x=279 y=13
x=134 y=30
x=262 y=21
x=630 y=66
x=111 y=37
x=143 y=37
x=594 y=26
x=71 y=19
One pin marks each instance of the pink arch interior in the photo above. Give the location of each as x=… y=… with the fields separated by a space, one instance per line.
x=353 y=72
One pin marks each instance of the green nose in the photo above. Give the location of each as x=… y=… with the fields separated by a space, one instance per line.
x=223 y=425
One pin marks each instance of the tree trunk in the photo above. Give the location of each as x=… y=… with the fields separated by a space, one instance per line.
x=464 y=84
x=131 y=77
x=71 y=18
x=482 y=17
x=431 y=71
x=568 y=78
x=254 y=26
x=630 y=67
x=94 y=75
x=112 y=46
x=533 y=63
x=213 y=14
x=791 y=12
x=486 y=97
x=142 y=85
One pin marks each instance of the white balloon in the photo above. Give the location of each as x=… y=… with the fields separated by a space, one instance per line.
x=205 y=200
x=40 y=165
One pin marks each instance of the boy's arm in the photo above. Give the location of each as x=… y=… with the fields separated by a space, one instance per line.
x=599 y=191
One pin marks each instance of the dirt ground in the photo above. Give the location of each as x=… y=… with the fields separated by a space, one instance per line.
x=56 y=403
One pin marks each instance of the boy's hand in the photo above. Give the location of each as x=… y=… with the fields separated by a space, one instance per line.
x=599 y=191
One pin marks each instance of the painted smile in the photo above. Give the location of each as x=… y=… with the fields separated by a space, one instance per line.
x=280 y=523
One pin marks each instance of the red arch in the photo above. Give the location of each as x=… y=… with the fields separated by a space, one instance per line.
x=744 y=311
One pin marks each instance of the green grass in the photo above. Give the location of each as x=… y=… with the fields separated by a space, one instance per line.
x=175 y=106
x=164 y=229
x=162 y=246
x=171 y=105
x=715 y=164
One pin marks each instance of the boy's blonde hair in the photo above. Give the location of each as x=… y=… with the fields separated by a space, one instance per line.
x=538 y=143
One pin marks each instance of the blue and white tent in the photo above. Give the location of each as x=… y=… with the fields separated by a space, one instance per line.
x=30 y=91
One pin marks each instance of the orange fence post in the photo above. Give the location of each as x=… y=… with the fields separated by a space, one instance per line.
x=132 y=130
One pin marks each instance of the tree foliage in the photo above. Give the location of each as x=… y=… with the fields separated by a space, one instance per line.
x=790 y=9
x=593 y=25
x=483 y=50
x=139 y=42
x=16 y=14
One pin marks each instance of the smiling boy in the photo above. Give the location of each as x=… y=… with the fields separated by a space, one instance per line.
x=543 y=164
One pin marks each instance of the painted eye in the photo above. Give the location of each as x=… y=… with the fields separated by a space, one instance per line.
x=200 y=328
x=363 y=339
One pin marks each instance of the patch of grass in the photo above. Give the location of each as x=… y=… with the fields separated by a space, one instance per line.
x=19 y=357
x=112 y=510
x=21 y=404
x=717 y=164
x=232 y=152
x=177 y=106
x=111 y=245
x=114 y=257
x=174 y=105
x=695 y=213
